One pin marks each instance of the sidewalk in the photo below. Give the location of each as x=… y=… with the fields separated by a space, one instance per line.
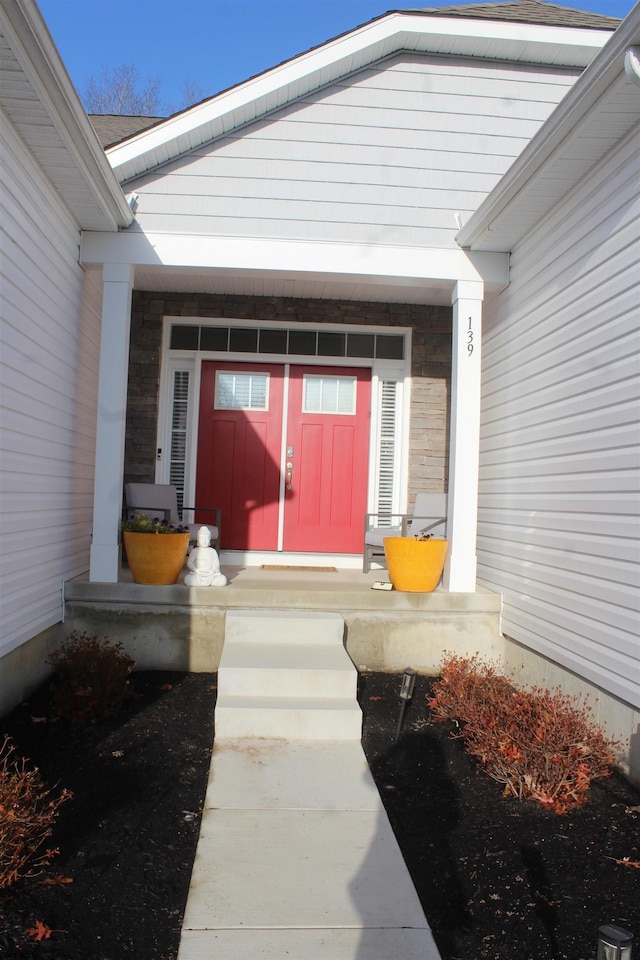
x=296 y=860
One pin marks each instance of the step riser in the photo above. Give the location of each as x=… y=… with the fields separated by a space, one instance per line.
x=283 y=627
x=288 y=724
x=263 y=682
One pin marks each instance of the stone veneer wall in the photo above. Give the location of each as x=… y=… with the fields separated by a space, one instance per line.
x=430 y=367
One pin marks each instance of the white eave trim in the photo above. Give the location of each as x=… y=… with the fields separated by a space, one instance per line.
x=312 y=259
x=607 y=67
x=32 y=44
x=383 y=37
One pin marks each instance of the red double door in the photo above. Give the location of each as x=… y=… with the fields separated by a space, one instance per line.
x=283 y=450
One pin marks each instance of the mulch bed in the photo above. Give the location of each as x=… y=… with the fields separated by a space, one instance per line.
x=497 y=879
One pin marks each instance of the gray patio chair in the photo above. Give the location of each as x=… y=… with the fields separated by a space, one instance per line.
x=161 y=499
x=429 y=516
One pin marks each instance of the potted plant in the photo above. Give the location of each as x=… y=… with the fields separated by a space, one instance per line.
x=156 y=550
x=415 y=564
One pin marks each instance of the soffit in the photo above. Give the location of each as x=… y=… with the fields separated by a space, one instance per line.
x=41 y=103
x=375 y=41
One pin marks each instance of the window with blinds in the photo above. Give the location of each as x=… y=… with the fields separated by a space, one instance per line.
x=178 y=444
x=241 y=391
x=322 y=394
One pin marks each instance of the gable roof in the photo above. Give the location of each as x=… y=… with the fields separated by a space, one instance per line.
x=598 y=112
x=528 y=11
x=398 y=31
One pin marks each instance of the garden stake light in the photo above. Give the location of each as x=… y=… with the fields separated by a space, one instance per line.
x=614 y=943
x=406 y=693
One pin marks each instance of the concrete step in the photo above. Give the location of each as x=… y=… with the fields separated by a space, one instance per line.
x=286 y=675
x=299 y=718
x=284 y=626
x=286 y=670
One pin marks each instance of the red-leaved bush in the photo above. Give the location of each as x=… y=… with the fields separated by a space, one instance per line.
x=28 y=811
x=541 y=744
x=91 y=678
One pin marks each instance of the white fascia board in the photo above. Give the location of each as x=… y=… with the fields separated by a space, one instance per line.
x=518 y=42
x=38 y=56
x=599 y=76
x=294 y=257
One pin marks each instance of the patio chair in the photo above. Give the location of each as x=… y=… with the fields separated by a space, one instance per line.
x=429 y=516
x=161 y=499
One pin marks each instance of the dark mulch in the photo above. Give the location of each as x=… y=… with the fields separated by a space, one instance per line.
x=500 y=879
x=128 y=837
x=497 y=879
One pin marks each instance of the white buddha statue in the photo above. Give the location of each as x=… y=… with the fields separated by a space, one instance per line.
x=204 y=564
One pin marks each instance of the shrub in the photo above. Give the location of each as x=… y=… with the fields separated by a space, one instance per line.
x=90 y=678
x=540 y=744
x=27 y=814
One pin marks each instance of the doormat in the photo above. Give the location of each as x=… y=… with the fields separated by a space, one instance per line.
x=280 y=566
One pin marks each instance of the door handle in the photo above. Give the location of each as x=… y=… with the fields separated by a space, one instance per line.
x=289 y=474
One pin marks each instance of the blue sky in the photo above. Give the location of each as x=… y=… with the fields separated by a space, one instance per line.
x=213 y=44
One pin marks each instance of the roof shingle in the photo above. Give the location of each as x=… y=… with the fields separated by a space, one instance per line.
x=112 y=128
x=526 y=11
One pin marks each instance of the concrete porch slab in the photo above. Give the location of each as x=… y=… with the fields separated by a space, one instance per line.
x=179 y=628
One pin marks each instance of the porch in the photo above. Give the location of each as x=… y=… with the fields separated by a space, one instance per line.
x=182 y=628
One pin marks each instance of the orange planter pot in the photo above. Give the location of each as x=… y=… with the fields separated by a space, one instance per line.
x=155 y=557
x=415 y=566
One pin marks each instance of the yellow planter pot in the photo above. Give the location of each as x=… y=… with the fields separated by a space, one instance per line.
x=155 y=557
x=415 y=566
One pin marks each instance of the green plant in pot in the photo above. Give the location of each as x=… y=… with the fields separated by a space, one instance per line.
x=156 y=550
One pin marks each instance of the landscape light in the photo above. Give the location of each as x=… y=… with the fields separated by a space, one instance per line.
x=408 y=684
x=614 y=943
x=406 y=693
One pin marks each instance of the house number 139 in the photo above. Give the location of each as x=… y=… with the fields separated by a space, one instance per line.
x=469 y=338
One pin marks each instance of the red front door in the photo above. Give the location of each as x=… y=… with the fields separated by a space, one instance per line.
x=307 y=493
x=239 y=445
x=328 y=434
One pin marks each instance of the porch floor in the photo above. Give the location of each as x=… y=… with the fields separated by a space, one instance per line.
x=313 y=588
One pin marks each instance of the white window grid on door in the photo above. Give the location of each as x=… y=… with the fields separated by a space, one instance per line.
x=329 y=394
x=241 y=390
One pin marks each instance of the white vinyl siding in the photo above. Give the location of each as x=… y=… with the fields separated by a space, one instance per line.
x=49 y=372
x=389 y=155
x=559 y=473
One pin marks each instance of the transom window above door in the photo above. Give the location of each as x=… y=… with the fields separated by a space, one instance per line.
x=298 y=341
x=241 y=391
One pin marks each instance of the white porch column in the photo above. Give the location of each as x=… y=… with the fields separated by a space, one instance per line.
x=110 y=431
x=464 y=441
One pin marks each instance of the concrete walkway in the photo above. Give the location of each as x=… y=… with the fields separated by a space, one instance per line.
x=297 y=860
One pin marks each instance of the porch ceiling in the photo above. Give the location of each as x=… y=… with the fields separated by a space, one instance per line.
x=255 y=283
